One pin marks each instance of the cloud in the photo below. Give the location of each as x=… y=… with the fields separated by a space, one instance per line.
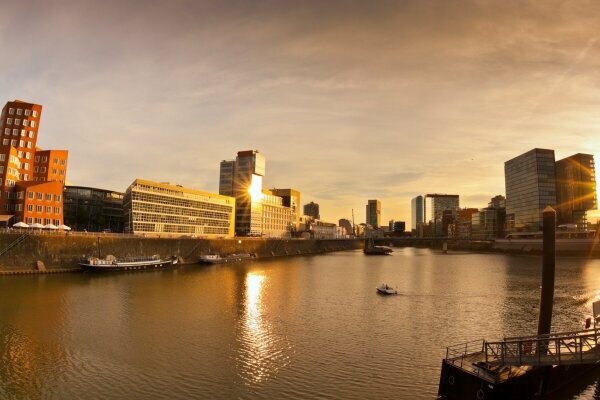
x=348 y=100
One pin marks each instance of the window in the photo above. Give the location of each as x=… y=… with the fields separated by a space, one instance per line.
x=17 y=121
x=21 y=143
x=43 y=170
x=48 y=210
x=39 y=209
x=57 y=222
x=55 y=161
x=46 y=221
x=32 y=124
x=19 y=207
x=61 y=172
x=35 y=113
x=13 y=142
x=27 y=155
x=3 y=156
x=20 y=154
x=56 y=210
x=26 y=177
x=28 y=112
x=7 y=131
x=23 y=132
x=31 y=134
x=30 y=195
x=5 y=142
x=62 y=162
x=38 y=220
x=54 y=171
x=36 y=169
x=11 y=111
x=15 y=132
x=1 y=169
x=25 y=123
x=37 y=158
x=19 y=111
x=39 y=195
x=28 y=145
x=44 y=159
x=48 y=197
x=57 y=197
x=29 y=220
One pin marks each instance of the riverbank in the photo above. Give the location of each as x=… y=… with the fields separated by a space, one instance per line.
x=564 y=247
x=25 y=252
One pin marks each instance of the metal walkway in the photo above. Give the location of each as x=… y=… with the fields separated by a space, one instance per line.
x=564 y=348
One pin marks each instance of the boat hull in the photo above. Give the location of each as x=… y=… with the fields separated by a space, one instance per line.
x=122 y=267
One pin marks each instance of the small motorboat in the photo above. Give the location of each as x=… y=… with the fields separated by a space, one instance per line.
x=385 y=289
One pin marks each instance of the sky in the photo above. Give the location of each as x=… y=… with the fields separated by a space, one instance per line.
x=347 y=100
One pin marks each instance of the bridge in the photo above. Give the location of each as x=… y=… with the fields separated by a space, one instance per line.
x=491 y=360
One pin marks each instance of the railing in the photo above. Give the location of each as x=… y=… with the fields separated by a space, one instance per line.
x=565 y=348
x=458 y=353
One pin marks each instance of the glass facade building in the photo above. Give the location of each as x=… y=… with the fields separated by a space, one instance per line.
x=575 y=189
x=92 y=209
x=374 y=213
x=530 y=186
x=417 y=207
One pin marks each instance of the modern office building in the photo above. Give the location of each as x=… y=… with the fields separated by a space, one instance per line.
x=291 y=199
x=441 y=212
x=347 y=225
x=530 y=187
x=374 y=213
x=28 y=170
x=258 y=212
x=153 y=208
x=312 y=209
x=93 y=209
x=417 y=207
x=575 y=189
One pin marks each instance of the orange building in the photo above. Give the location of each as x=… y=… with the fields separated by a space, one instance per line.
x=26 y=170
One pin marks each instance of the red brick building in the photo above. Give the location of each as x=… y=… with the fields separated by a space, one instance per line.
x=31 y=179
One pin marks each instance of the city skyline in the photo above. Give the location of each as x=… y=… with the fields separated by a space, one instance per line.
x=348 y=101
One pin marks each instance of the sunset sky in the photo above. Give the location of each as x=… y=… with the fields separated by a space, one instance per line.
x=347 y=100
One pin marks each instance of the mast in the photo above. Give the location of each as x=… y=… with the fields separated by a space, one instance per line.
x=353 y=228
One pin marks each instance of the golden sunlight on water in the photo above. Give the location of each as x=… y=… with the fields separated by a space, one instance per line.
x=262 y=353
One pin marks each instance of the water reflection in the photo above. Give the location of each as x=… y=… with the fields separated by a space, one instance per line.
x=262 y=351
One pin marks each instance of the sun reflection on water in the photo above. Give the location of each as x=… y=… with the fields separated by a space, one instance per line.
x=262 y=352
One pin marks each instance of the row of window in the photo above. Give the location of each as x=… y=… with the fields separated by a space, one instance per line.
x=9 y=121
x=13 y=143
x=21 y=111
x=46 y=221
x=30 y=208
x=15 y=132
x=32 y=195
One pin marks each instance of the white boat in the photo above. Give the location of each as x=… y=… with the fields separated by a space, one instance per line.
x=112 y=264
x=385 y=289
x=217 y=259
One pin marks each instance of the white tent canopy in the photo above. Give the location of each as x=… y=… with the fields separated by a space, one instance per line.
x=20 y=225
x=36 y=226
x=64 y=227
x=51 y=226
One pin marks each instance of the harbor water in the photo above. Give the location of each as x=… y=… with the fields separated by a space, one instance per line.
x=299 y=327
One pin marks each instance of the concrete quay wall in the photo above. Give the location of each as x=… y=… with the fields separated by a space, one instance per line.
x=60 y=251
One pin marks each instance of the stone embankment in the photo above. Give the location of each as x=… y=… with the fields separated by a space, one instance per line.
x=52 y=251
